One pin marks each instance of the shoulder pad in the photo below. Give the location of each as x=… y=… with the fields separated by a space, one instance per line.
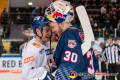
x=36 y=45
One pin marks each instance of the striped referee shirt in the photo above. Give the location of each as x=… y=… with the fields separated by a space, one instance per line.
x=111 y=54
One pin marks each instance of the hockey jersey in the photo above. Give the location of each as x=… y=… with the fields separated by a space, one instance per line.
x=68 y=56
x=91 y=65
x=35 y=59
x=90 y=58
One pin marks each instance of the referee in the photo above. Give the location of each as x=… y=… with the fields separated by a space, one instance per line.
x=112 y=58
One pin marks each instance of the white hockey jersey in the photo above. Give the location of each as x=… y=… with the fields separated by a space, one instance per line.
x=35 y=59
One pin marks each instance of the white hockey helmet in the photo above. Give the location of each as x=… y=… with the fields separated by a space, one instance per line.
x=60 y=11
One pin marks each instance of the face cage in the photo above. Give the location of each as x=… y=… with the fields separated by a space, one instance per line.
x=61 y=10
x=50 y=9
x=59 y=7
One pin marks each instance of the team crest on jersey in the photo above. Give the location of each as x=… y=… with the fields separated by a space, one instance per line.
x=36 y=45
x=71 y=43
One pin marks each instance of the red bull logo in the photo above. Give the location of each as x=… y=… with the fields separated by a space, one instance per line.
x=58 y=15
x=82 y=36
x=71 y=43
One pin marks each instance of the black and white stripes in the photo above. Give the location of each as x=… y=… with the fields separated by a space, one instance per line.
x=111 y=54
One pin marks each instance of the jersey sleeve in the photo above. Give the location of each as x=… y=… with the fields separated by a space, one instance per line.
x=57 y=55
x=118 y=52
x=50 y=57
x=103 y=55
x=29 y=70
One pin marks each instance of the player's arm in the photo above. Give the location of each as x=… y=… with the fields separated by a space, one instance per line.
x=57 y=55
x=49 y=60
x=118 y=49
x=95 y=62
x=50 y=56
x=103 y=55
x=118 y=52
x=29 y=66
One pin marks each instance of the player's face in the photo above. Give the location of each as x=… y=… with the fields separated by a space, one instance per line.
x=46 y=33
x=109 y=41
x=117 y=42
x=56 y=28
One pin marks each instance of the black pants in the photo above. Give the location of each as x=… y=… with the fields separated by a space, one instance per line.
x=114 y=68
x=103 y=68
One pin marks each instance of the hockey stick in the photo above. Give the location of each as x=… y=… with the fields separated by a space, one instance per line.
x=84 y=20
x=50 y=49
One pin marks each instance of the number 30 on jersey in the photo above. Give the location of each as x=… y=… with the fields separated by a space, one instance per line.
x=73 y=57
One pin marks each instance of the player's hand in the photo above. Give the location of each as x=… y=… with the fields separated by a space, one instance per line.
x=98 y=55
x=106 y=63
x=118 y=62
x=50 y=65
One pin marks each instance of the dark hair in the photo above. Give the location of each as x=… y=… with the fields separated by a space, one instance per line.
x=116 y=39
x=102 y=44
x=25 y=39
x=48 y=24
x=110 y=37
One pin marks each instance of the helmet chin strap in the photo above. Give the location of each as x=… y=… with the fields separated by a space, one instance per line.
x=41 y=33
x=38 y=36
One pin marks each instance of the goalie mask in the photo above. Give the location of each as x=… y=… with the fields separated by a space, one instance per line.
x=60 y=11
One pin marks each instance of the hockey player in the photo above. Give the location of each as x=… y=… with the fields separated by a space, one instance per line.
x=68 y=55
x=36 y=56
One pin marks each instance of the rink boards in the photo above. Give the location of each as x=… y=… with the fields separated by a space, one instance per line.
x=10 y=63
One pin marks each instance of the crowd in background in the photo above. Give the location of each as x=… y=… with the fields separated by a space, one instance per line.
x=107 y=16
x=21 y=15
x=5 y=31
